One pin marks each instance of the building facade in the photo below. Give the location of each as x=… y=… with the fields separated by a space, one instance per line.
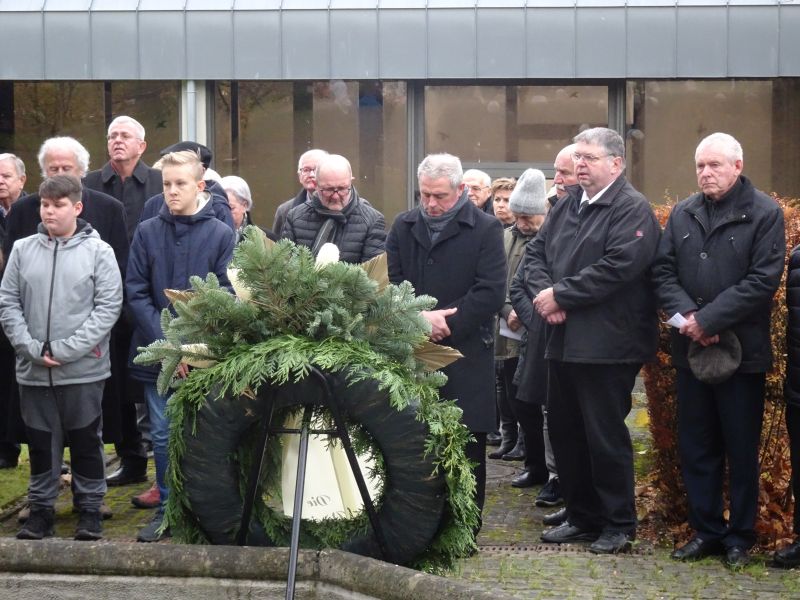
x=503 y=84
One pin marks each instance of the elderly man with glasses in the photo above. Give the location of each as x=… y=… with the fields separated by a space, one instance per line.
x=479 y=189
x=588 y=272
x=335 y=213
x=306 y=168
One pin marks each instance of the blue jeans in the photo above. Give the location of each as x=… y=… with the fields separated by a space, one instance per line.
x=159 y=431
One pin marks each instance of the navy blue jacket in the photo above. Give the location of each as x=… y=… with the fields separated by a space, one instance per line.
x=219 y=203
x=165 y=252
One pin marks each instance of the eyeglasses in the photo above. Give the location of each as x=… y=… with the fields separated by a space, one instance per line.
x=478 y=188
x=334 y=191
x=307 y=170
x=589 y=158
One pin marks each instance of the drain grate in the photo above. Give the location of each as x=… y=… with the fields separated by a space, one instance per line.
x=640 y=550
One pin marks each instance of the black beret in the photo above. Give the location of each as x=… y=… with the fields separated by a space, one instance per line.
x=205 y=153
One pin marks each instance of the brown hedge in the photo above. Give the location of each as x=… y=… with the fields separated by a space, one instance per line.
x=665 y=498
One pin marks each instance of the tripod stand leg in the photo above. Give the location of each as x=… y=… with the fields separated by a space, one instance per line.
x=297 y=511
x=338 y=419
x=255 y=470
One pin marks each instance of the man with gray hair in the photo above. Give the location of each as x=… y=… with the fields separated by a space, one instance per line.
x=479 y=189
x=718 y=266
x=306 y=171
x=588 y=272
x=125 y=176
x=12 y=180
x=450 y=249
x=335 y=213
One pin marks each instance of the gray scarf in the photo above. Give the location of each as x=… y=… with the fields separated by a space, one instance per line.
x=437 y=224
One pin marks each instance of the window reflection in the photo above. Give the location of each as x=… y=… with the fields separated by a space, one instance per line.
x=526 y=124
x=263 y=127
x=31 y=112
x=667 y=119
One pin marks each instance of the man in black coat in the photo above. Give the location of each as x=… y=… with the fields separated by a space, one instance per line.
x=127 y=178
x=718 y=265
x=66 y=156
x=450 y=249
x=588 y=272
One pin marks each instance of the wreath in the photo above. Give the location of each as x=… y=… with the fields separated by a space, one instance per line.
x=292 y=313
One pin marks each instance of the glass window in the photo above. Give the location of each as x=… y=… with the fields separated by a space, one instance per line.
x=501 y=124
x=667 y=119
x=261 y=129
x=31 y=112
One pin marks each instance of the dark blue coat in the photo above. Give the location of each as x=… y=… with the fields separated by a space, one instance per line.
x=219 y=204
x=165 y=252
x=465 y=268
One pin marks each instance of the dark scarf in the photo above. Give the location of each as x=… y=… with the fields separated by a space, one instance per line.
x=437 y=224
x=333 y=221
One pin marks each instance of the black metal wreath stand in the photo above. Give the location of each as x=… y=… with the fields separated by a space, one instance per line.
x=330 y=401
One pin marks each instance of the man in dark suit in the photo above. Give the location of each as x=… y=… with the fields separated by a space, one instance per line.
x=130 y=180
x=450 y=249
x=588 y=272
x=718 y=265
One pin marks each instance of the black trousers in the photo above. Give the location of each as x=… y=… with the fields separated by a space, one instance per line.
x=506 y=391
x=718 y=423
x=793 y=427
x=591 y=442
x=476 y=452
x=531 y=421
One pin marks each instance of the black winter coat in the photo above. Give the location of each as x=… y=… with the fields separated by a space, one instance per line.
x=465 y=268
x=727 y=273
x=361 y=231
x=792 y=388
x=144 y=183
x=598 y=264
x=284 y=208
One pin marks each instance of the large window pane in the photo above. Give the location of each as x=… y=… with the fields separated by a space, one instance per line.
x=526 y=124
x=156 y=105
x=667 y=119
x=261 y=128
x=31 y=112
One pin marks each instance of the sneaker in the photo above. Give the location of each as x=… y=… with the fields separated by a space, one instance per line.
x=152 y=531
x=550 y=494
x=39 y=525
x=90 y=526
x=105 y=511
x=149 y=499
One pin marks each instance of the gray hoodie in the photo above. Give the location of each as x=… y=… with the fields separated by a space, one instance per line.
x=61 y=295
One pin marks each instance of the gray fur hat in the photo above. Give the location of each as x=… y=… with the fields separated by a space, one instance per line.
x=529 y=196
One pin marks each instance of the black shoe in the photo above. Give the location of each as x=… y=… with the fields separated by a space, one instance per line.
x=8 y=463
x=493 y=438
x=152 y=531
x=789 y=556
x=566 y=533
x=736 y=557
x=550 y=494
x=39 y=525
x=126 y=475
x=505 y=447
x=695 y=549
x=556 y=518
x=612 y=542
x=527 y=479
x=518 y=453
x=90 y=526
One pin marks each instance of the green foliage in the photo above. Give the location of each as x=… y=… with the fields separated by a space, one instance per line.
x=337 y=319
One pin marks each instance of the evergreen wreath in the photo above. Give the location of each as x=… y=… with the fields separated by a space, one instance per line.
x=292 y=313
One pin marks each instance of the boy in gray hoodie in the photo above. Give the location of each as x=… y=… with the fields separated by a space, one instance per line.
x=60 y=296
